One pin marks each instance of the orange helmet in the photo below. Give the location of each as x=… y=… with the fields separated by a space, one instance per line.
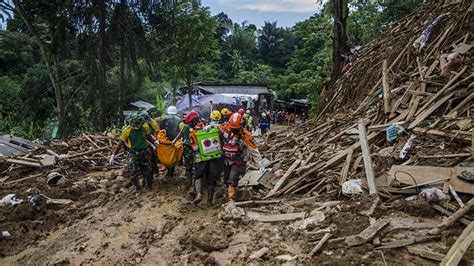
x=235 y=121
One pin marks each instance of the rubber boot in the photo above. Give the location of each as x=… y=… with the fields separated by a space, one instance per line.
x=198 y=186
x=210 y=196
x=136 y=185
x=189 y=184
x=232 y=193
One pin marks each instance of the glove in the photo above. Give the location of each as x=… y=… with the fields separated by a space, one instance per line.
x=112 y=159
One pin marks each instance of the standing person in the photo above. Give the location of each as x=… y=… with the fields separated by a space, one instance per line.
x=263 y=124
x=138 y=160
x=249 y=121
x=191 y=123
x=170 y=122
x=238 y=146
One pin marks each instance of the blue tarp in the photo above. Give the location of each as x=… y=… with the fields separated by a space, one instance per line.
x=183 y=104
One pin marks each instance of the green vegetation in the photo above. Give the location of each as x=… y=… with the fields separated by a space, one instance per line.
x=52 y=56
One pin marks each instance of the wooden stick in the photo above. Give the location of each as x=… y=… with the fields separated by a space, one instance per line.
x=453 y=218
x=320 y=244
x=437 y=156
x=347 y=165
x=429 y=111
x=448 y=213
x=467 y=100
x=440 y=92
x=369 y=168
x=455 y=195
x=86 y=153
x=386 y=88
x=283 y=179
x=460 y=247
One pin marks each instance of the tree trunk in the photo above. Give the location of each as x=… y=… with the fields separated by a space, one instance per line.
x=53 y=72
x=190 y=93
x=102 y=67
x=122 y=82
x=340 y=47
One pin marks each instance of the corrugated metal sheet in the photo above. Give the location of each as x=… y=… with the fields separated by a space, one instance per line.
x=143 y=105
x=14 y=146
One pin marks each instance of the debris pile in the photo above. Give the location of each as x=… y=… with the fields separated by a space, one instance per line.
x=80 y=154
x=410 y=138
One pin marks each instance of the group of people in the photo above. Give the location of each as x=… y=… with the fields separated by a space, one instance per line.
x=220 y=145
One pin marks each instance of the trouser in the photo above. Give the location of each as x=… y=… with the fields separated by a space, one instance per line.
x=153 y=160
x=207 y=174
x=232 y=173
x=138 y=164
x=170 y=171
x=189 y=164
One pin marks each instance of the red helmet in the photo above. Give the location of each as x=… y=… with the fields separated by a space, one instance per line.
x=235 y=121
x=241 y=111
x=190 y=116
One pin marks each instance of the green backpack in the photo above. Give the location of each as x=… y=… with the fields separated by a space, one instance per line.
x=209 y=144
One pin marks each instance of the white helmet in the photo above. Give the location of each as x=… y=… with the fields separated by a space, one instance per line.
x=171 y=110
x=248 y=112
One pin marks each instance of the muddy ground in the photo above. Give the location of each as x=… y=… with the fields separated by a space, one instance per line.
x=108 y=224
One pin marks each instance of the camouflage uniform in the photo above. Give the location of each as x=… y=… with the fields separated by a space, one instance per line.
x=138 y=163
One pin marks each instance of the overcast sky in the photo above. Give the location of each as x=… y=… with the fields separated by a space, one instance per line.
x=286 y=12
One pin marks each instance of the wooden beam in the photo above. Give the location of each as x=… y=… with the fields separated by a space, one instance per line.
x=368 y=233
x=459 y=247
x=386 y=88
x=440 y=92
x=369 y=168
x=424 y=253
x=283 y=179
x=467 y=100
x=448 y=213
x=280 y=217
x=347 y=165
x=435 y=132
x=437 y=156
x=320 y=244
x=453 y=218
x=429 y=111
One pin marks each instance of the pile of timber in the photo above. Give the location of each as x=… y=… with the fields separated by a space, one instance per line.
x=418 y=90
x=80 y=154
x=362 y=76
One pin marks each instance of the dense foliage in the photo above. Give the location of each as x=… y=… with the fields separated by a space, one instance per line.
x=151 y=48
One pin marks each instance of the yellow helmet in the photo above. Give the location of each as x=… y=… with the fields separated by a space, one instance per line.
x=216 y=115
x=225 y=112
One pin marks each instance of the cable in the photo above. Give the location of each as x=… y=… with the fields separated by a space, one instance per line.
x=416 y=185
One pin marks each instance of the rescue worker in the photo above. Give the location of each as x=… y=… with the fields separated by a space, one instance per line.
x=170 y=122
x=263 y=124
x=225 y=115
x=238 y=146
x=138 y=159
x=154 y=128
x=249 y=121
x=191 y=122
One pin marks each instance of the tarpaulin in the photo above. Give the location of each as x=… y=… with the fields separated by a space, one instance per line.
x=183 y=104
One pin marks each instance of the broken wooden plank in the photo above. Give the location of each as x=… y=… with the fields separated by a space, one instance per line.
x=460 y=247
x=424 y=253
x=386 y=88
x=369 y=168
x=256 y=202
x=407 y=242
x=86 y=153
x=442 y=90
x=283 y=179
x=438 y=156
x=448 y=213
x=22 y=162
x=320 y=244
x=453 y=218
x=279 y=217
x=368 y=233
x=467 y=100
x=456 y=197
x=435 y=132
x=347 y=165
x=421 y=117
x=259 y=253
